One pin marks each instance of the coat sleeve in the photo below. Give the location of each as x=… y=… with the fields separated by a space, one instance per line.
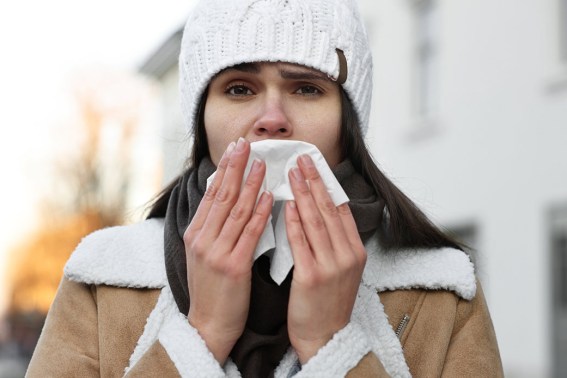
x=473 y=349
x=154 y=363
x=180 y=350
x=72 y=342
x=346 y=354
x=68 y=345
x=369 y=367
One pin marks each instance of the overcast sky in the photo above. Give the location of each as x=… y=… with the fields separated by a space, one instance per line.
x=43 y=44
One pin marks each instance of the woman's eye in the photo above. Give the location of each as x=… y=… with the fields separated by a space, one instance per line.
x=308 y=90
x=238 y=90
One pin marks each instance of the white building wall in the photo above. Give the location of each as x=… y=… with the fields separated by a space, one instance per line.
x=494 y=153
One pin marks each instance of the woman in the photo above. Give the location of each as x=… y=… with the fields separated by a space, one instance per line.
x=376 y=289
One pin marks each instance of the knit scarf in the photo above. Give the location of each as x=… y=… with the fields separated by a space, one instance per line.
x=265 y=339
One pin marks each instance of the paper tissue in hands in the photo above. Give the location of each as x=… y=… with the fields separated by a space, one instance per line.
x=281 y=156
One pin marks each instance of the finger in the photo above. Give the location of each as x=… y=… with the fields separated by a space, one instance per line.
x=312 y=221
x=229 y=190
x=242 y=211
x=351 y=230
x=211 y=192
x=301 y=252
x=348 y=222
x=246 y=244
x=325 y=204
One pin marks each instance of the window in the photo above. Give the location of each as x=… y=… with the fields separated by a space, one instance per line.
x=559 y=257
x=560 y=251
x=426 y=37
x=558 y=244
x=467 y=234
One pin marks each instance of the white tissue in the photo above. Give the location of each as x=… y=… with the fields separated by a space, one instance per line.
x=281 y=156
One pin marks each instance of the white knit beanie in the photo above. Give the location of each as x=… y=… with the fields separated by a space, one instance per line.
x=222 y=33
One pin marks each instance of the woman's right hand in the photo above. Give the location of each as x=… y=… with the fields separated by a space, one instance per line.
x=220 y=244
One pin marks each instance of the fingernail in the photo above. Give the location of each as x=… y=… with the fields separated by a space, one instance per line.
x=255 y=166
x=306 y=160
x=240 y=145
x=230 y=148
x=292 y=204
x=265 y=197
x=297 y=174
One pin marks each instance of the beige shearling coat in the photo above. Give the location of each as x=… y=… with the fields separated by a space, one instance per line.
x=418 y=313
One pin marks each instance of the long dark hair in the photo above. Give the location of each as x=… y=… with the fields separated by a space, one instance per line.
x=402 y=223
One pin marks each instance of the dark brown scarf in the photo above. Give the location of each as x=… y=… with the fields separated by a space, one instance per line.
x=265 y=340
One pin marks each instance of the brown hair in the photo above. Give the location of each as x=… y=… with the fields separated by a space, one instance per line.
x=402 y=224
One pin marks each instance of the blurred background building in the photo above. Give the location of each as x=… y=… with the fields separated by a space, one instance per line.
x=470 y=120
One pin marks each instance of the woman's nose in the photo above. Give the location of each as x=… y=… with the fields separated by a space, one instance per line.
x=273 y=120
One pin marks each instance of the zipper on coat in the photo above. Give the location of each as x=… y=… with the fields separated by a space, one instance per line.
x=402 y=326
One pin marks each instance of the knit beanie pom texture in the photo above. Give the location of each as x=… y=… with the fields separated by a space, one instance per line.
x=223 y=33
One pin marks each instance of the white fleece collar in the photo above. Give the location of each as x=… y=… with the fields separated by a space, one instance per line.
x=436 y=269
x=133 y=256
x=124 y=256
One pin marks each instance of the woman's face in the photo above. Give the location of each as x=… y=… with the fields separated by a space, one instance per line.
x=260 y=101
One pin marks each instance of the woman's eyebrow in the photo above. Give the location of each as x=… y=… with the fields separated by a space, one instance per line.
x=244 y=67
x=255 y=68
x=303 y=75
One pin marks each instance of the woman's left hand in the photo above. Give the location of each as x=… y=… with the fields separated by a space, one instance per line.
x=329 y=258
